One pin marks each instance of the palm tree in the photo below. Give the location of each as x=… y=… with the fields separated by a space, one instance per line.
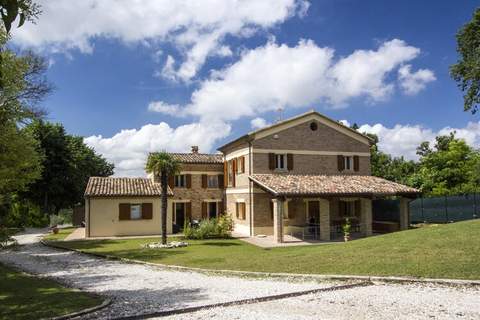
x=164 y=164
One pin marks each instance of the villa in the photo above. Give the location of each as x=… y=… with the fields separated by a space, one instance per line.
x=302 y=176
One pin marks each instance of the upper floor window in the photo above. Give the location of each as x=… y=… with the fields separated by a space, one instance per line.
x=348 y=162
x=212 y=181
x=230 y=173
x=281 y=161
x=180 y=181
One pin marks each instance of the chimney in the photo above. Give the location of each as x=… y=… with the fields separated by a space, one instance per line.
x=194 y=149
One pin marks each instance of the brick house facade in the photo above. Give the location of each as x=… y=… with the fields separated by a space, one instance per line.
x=302 y=174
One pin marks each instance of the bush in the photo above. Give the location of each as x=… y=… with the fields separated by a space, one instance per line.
x=210 y=228
x=5 y=237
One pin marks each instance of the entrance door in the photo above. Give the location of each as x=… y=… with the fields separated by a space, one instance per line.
x=313 y=212
x=179 y=216
x=314 y=218
x=212 y=210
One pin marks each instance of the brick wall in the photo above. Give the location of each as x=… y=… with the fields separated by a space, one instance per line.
x=314 y=164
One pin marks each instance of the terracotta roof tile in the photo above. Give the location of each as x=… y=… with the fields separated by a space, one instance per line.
x=285 y=185
x=111 y=187
x=198 y=157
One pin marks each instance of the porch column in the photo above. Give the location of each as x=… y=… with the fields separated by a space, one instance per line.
x=278 y=207
x=404 y=214
x=324 y=219
x=366 y=217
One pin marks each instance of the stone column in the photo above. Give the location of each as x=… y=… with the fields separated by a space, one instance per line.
x=278 y=207
x=324 y=220
x=366 y=217
x=404 y=214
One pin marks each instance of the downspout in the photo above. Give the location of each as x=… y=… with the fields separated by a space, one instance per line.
x=250 y=185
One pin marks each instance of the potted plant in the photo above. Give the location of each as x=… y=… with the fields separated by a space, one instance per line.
x=346 y=228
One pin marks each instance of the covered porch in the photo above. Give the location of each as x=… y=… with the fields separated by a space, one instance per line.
x=313 y=208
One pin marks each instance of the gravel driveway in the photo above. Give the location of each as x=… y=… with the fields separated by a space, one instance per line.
x=139 y=289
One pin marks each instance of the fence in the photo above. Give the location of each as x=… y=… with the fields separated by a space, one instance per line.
x=432 y=209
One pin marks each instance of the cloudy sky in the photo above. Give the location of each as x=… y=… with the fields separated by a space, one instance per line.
x=140 y=76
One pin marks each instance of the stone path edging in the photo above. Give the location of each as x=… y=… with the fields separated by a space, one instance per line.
x=292 y=276
x=105 y=303
x=244 y=301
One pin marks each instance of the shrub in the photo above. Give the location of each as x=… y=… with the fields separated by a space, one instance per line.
x=210 y=228
x=5 y=238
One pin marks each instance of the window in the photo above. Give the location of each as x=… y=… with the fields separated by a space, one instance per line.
x=230 y=173
x=348 y=162
x=135 y=211
x=313 y=126
x=212 y=181
x=180 y=181
x=212 y=209
x=281 y=161
x=347 y=208
x=240 y=210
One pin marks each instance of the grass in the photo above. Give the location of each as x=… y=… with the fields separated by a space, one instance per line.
x=61 y=235
x=438 y=251
x=26 y=297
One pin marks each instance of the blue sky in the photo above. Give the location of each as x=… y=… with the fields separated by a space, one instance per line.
x=343 y=58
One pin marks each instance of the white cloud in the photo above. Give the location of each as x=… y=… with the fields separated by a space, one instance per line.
x=258 y=123
x=403 y=140
x=196 y=28
x=129 y=148
x=165 y=108
x=413 y=83
x=345 y=122
x=274 y=75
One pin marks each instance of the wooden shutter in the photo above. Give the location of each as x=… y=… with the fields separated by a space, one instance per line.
x=171 y=181
x=237 y=209
x=204 y=210
x=242 y=164
x=189 y=180
x=271 y=161
x=225 y=173
x=356 y=163
x=147 y=209
x=243 y=210
x=124 y=211
x=341 y=163
x=204 y=181
x=188 y=211
x=221 y=207
x=221 y=184
x=234 y=169
x=289 y=161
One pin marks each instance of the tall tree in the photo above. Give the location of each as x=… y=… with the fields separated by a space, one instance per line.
x=163 y=164
x=67 y=164
x=451 y=167
x=11 y=9
x=466 y=72
x=85 y=164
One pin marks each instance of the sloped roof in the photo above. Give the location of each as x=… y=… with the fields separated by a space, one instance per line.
x=114 y=187
x=198 y=157
x=286 y=121
x=317 y=185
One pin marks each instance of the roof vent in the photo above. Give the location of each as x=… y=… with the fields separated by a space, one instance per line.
x=194 y=149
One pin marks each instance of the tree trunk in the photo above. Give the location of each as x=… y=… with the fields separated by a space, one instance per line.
x=164 y=182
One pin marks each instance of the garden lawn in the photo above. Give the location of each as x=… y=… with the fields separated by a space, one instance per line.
x=26 y=297
x=61 y=235
x=437 y=251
